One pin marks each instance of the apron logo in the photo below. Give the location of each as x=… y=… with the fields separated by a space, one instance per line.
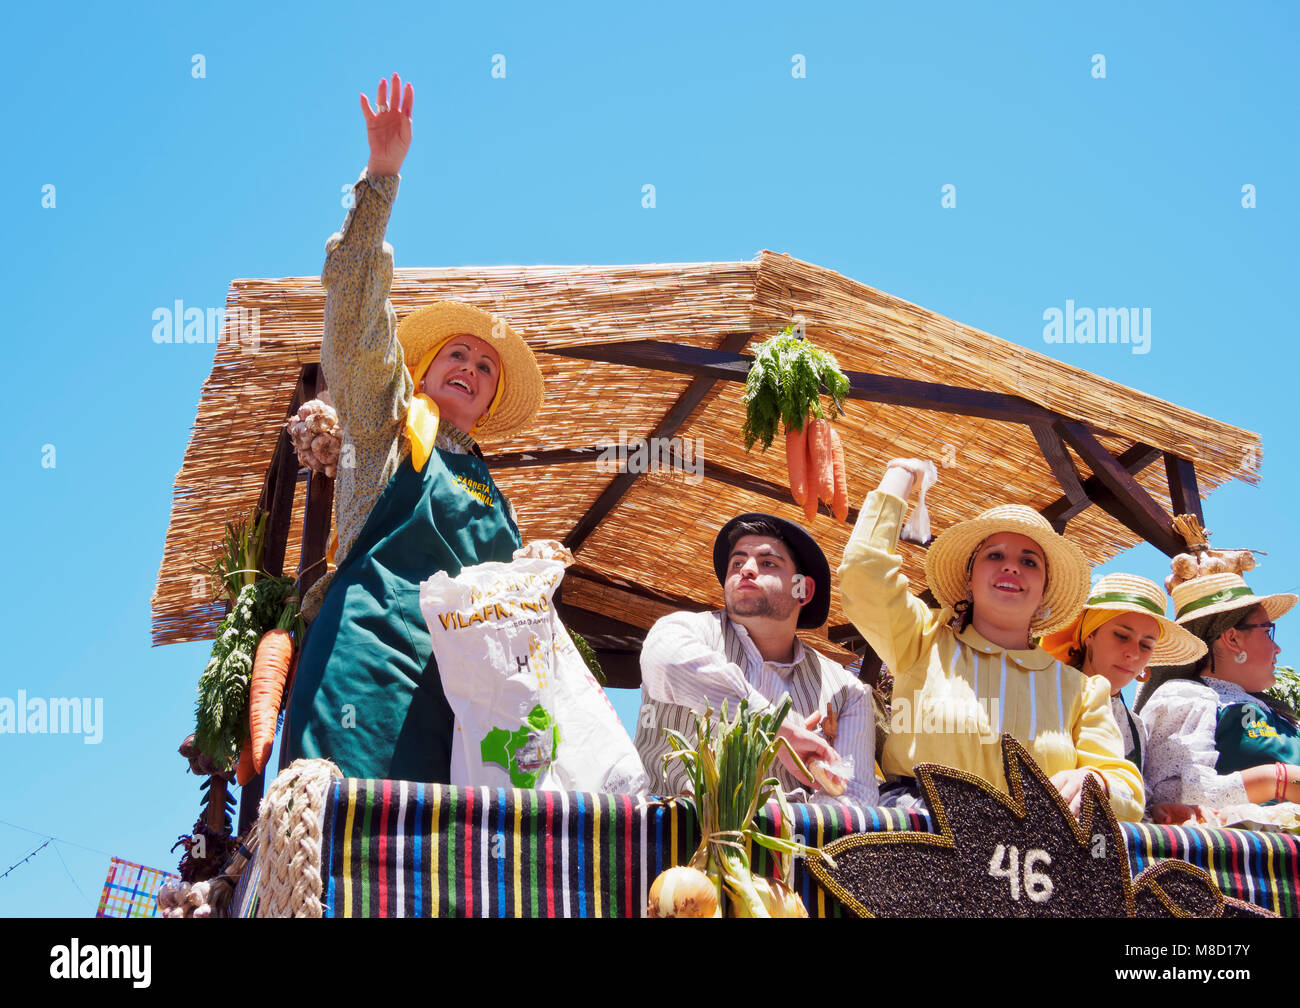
x=479 y=491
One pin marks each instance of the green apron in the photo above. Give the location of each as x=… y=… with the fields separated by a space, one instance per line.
x=1253 y=734
x=367 y=694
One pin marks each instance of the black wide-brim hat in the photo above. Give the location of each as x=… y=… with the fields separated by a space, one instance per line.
x=808 y=555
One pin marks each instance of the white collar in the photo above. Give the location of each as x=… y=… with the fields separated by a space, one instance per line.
x=1229 y=692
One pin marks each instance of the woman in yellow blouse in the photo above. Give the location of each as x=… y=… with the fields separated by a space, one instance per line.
x=971 y=671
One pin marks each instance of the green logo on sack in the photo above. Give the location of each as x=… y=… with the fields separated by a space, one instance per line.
x=525 y=752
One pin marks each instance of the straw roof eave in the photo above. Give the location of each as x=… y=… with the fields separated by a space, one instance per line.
x=660 y=532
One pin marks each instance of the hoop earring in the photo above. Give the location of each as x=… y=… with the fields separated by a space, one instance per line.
x=1240 y=657
x=1143 y=676
x=1042 y=613
x=961 y=612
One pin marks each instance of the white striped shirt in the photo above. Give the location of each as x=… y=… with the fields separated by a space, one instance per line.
x=694 y=661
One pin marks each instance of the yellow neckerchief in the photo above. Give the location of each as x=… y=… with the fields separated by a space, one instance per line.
x=422 y=418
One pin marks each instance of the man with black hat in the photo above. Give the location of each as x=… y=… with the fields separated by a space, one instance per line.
x=775 y=579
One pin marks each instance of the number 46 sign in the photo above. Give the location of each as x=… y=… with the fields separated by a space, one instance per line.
x=1022 y=876
x=1013 y=851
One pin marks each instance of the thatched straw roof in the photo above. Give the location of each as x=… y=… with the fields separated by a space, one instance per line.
x=658 y=536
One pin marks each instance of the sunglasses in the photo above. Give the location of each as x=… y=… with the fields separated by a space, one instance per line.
x=1270 y=627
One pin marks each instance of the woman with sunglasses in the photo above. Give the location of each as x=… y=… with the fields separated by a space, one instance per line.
x=1215 y=740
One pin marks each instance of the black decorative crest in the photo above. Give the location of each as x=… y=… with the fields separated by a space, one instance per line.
x=1021 y=854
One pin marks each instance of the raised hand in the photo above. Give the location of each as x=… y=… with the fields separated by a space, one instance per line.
x=388 y=128
x=902 y=477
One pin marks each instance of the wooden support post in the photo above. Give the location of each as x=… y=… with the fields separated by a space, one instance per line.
x=277 y=500
x=1183 y=491
x=1054 y=451
x=316 y=523
x=1133 y=460
x=278 y=491
x=1130 y=504
x=318 y=508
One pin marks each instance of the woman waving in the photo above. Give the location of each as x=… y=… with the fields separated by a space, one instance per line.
x=413 y=399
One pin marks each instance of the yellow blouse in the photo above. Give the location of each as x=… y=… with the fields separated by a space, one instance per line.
x=956 y=694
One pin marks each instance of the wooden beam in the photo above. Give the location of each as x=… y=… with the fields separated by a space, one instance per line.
x=726 y=365
x=666 y=428
x=845 y=635
x=277 y=499
x=318 y=504
x=317 y=519
x=1129 y=503
x=1183 y=491
x=1058 y=458
x=1134 y=460
x=553 y=456
x=278 y=490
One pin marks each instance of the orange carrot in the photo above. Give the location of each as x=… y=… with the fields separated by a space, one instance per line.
x=244 y=769
x=821 y=479
x=796 y=460
x=270 y=672
x=840 y=505
x=810 y=470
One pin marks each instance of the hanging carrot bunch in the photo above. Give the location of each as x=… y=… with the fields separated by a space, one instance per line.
x=784 y=387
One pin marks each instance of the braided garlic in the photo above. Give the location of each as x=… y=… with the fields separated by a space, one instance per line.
x=317 y=436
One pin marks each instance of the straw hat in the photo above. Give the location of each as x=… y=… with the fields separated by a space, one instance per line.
x=1068 y=570
x=520 y=392
x=1120 y=593
x=1217 y=593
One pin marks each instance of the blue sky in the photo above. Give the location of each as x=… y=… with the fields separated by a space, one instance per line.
x=1117 y=191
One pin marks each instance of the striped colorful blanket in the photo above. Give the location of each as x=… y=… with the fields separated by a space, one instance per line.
x=398 y=849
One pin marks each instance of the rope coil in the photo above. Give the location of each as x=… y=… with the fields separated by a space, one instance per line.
x=288 y=839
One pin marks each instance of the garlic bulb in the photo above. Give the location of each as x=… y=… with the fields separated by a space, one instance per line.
x=317 y=436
